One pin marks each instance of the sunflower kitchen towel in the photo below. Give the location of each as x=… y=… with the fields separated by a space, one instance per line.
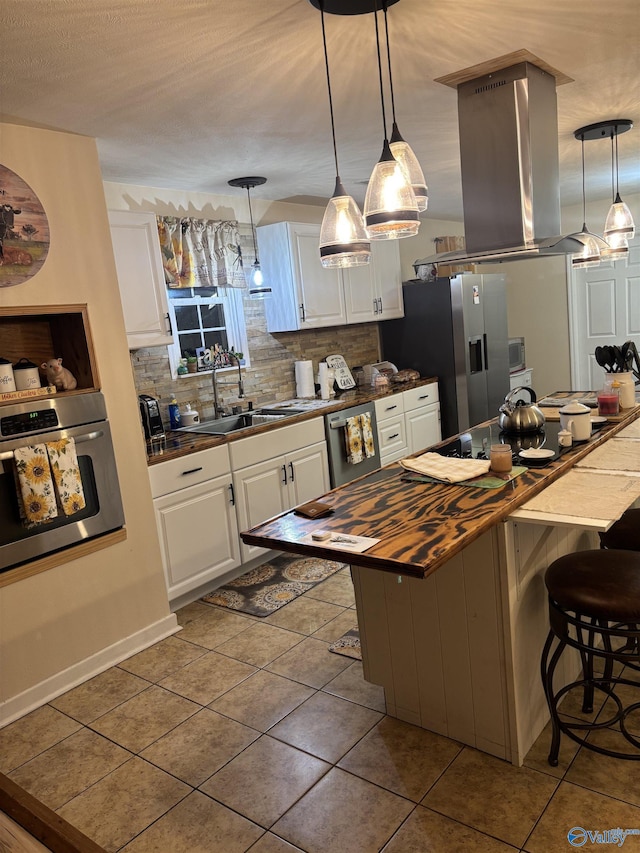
x=66 y=475
x=35 y=486
x=367 y=435
x=353 y=440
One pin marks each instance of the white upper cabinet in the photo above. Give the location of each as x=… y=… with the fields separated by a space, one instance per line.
x=141 y=278
x=306 y=295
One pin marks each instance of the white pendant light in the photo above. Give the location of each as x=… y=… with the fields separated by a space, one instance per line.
x=618 y=245
x=253 y=274
x=619 y=222
x=589 y=254
x=401 y=149
x=343 y=239
x=390 y=207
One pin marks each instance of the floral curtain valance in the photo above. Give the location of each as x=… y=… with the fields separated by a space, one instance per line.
x=200 y=252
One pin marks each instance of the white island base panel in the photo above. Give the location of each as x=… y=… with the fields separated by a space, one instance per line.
x=458 y=653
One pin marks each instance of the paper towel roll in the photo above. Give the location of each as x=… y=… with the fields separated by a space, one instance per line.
x=304 y=379
x=323 y=379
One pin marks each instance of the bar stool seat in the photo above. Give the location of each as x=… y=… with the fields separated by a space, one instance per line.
x=624 y=533
x=594 y=607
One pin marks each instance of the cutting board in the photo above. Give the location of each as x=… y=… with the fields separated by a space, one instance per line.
x=551 y=414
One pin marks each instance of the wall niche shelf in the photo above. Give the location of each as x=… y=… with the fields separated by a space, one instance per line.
x=40 y=333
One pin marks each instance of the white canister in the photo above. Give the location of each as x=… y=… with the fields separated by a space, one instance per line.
x=189 y=417
x=627 y=389
x=26 y=375
x=576 y=418
x=7 y=382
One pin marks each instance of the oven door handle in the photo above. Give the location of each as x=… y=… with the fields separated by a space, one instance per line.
x=88 y=436
x=337 y=424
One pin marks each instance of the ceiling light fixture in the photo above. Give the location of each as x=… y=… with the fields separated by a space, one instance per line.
x=589 y=254
x=390 y=207
x=401 y=149
x=255 y=279
x=618 y=245
x=619 y=223
x=343 y=239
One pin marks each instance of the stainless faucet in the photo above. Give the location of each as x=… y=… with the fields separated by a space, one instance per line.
x=218 y=409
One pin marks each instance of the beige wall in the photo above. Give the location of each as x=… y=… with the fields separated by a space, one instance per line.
x=54 y=620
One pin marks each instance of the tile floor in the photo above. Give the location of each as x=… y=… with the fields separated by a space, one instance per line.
x=242 y=734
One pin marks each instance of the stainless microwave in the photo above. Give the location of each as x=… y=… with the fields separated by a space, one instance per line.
x=516 y=355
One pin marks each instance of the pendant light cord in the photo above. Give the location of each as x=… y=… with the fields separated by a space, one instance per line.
x=326 y=63
x=253 y=230
x=386 y=29
x=584 y=195
x=384 y=117
x=617 y=173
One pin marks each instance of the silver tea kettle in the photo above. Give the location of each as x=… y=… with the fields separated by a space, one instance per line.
x=520 y=416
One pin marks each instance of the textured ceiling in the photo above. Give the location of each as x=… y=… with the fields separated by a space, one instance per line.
x=187 y=95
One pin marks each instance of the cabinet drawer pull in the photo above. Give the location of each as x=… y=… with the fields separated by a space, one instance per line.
x=291 y=471
x=375 y=306
x=395 y=435
x=424 y=397
x=284 y=475
x=391 y=408
x=232 y=494
x=380 y=305
x=192 y=471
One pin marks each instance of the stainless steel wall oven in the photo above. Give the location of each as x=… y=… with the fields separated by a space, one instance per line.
x=82 y=418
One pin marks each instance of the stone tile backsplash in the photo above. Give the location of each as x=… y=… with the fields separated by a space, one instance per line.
x=271 y=375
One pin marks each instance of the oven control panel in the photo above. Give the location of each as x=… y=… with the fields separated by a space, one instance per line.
x=25 y=422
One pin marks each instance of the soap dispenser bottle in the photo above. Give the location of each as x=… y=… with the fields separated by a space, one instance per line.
x=175 y=420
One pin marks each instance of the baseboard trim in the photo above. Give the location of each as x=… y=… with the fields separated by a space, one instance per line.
x=41 y=693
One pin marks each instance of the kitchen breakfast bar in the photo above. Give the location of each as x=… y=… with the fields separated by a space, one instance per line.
x=451 y=602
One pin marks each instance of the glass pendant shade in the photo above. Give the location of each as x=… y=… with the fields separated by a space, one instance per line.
x=390 y=207
x=619 y=221
x=343 y=239
x=255 y=282
x=618 y=248
x=409 y=164
x=589 y=255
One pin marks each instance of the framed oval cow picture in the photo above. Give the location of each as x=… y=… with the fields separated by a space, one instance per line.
x=24 y=230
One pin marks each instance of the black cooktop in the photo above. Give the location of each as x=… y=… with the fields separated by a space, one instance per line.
x=476 y=443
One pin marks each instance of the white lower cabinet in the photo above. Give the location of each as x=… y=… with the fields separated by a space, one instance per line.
x=293 y=472
x=195 y=513
x=408 y=421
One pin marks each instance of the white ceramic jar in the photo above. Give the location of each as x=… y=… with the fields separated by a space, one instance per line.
x=7 y=382
x=189 y=416
x=576 y=418
x=26 y=375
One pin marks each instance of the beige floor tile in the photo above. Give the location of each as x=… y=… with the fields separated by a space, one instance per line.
x=571 y=704
x=310 y=662
x=350 y=684
x=538 y=756
x=197 y=825
x=270 y=843
x=336 y=590
x=32 y=734
x=207 y=677
x=162 y=659
x=400 y=757
x=572 y=806
x=304 y=615
x=191 y=611
x=343 y=814
x=312 y=726
x=124 y=803
x=214 y=627
x=260 y=644
x=425 y=831
x=195 y=749
x=332 y=631
x=614 y=777
x=265 y=780
x=262 y=700
x=628 y=695
x=95 y=697
x=143 y=719
x=492 y=796
x=62 y=772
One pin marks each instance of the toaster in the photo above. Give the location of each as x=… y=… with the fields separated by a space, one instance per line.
x=150 y=416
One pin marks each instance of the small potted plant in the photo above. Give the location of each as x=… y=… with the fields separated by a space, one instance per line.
x=192 y=364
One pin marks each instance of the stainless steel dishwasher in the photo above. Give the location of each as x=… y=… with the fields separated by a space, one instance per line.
x=341 y=471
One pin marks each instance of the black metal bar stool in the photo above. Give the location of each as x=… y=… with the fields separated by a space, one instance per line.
x=594 y=607
x=624 y=533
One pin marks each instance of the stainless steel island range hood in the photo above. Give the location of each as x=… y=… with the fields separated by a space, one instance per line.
x=508 y=122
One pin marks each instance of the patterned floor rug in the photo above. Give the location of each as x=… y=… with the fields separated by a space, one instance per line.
x=348 y=645
x=270 y=586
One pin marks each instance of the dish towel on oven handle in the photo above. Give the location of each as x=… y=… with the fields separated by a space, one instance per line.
x=353 y=440
x=367 y=435
x=66 y=475
x=36 y=494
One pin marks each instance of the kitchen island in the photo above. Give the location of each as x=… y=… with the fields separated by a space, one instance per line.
x=450 y=601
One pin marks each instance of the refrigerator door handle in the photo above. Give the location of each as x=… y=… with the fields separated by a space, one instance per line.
x=475 y=354
x=486 y=351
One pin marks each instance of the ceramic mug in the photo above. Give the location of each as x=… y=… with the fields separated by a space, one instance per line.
x=577 y=418
x=565 y=439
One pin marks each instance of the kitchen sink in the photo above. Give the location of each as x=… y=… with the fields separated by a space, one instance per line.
x=232 y=423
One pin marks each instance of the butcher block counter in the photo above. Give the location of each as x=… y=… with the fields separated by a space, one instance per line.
x=451 y=602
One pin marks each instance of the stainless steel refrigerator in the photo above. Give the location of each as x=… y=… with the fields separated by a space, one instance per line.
x=455 y=329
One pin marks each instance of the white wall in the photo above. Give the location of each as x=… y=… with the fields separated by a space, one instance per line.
x=55 y=626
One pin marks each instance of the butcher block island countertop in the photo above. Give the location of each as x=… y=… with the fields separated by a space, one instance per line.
x=451 y=602
x=420 y=525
